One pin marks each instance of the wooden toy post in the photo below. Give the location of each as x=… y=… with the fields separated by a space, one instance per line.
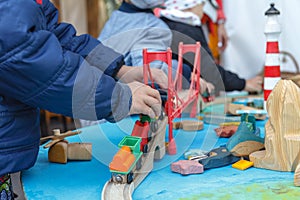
x=176 y=102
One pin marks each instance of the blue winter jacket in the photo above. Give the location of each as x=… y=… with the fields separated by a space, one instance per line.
x=130 y=29
x=44 y=64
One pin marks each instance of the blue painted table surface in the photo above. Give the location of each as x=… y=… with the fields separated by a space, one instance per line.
x=80 y=180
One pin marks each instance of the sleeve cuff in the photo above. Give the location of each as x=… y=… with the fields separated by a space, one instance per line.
x=120 y=103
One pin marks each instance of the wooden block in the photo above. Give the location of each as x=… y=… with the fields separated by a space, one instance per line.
x=218 y=157
x=177 y=125
x=188 y=125
x=192 y=125
x=200 y=118
x=226 y=131
x=230 y=124
x=232 y=108
x=282 y=136
x=186 y=167
x=244 y=141
x=79 y=151
x=242 y=164
x=246 y=148
x=297 y=176
x=58 y=152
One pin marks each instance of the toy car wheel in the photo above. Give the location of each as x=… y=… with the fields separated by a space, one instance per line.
x=129 y=177
x=145 y=149
x=117 y=178
x=154 y=126
x=138 y=164
x=149 y=135
x=161 y=116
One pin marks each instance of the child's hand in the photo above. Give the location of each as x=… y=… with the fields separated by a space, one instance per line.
x=129 y=74
x=145 y=100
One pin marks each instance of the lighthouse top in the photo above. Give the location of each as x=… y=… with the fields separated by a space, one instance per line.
x=272 y=10
x=272 y=27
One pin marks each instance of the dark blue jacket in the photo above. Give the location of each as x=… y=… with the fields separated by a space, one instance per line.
x=44 y=64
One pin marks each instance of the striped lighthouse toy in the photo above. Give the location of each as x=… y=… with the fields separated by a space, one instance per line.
x=272 y=62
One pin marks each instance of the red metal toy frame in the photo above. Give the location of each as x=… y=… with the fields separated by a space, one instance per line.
x=175 y=105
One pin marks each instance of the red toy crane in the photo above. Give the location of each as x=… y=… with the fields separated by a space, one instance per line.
x=175 y=103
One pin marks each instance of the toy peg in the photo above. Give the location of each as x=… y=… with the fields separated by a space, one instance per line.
x=56 y=132
x=58 y=137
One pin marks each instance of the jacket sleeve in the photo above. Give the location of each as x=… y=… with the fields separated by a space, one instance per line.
x=37 y=71
x=231 y=80
x=220 y=12
x=84 y=45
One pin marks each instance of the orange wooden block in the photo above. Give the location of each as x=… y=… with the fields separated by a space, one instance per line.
x=242 y=164
x=123 y=160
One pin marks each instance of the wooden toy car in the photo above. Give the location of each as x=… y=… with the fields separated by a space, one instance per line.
x=126 y=160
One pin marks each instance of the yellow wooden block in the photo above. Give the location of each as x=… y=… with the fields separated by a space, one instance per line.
x=200 y=117
x=242 y=164
x=230 y=124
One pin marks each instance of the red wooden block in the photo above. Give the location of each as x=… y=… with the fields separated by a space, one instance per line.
x=226 y=131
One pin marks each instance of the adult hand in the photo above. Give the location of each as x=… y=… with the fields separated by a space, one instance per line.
x=145 y=100
x=129 y=74
x=254 y=84
x=222 y=37
x=206 y=86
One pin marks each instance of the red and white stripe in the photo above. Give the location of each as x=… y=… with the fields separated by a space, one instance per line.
x=272 y=66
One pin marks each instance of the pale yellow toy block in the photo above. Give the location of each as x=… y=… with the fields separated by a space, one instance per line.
x=230 y=124
x=242 y=164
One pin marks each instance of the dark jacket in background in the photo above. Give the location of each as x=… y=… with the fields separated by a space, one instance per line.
x=188 y=34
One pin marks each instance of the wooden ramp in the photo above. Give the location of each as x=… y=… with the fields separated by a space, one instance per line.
x=113 y=191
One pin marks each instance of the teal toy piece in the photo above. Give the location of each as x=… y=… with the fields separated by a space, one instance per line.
x=245 y=141
x=132 y=142
x=252 y=102
x=250 y=119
